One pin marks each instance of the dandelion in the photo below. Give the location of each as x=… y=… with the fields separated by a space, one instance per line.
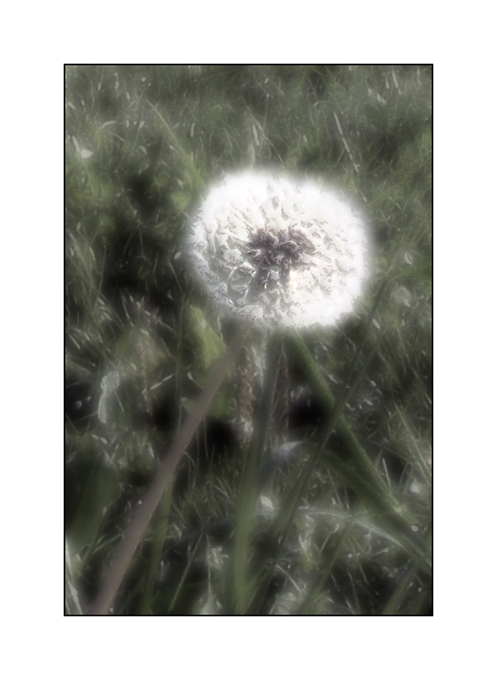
x=278 y=251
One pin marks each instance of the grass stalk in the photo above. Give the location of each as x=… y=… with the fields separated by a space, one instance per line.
x=199 y=182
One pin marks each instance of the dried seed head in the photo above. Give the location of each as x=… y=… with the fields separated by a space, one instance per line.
x=297 y=252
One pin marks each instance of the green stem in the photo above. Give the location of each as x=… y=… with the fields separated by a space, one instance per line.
x=240 y=594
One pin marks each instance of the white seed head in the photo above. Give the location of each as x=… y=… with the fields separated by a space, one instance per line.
x=296 y=251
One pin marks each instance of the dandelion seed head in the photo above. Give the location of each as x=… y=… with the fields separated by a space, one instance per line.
x=279 y=251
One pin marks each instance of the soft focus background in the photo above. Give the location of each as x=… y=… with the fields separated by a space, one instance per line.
x=142 y=145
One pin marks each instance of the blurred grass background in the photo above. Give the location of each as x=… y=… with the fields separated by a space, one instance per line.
x=142 y=143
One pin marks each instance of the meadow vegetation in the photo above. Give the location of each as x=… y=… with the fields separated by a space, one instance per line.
x=335 y=517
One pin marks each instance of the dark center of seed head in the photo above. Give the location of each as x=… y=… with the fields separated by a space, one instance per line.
x=271 y=255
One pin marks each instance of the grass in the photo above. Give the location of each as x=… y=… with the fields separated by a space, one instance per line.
x=341 y=524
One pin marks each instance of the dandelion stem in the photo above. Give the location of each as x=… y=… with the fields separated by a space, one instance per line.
x=249 y=485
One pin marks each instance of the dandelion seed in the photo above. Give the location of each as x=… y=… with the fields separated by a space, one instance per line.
x=296 y=251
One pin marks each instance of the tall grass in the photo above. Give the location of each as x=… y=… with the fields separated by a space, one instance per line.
x=340 y=521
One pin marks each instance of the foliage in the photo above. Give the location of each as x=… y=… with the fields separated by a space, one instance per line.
x=339 y=501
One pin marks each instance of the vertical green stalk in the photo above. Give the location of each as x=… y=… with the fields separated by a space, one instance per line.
x=240 y=589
